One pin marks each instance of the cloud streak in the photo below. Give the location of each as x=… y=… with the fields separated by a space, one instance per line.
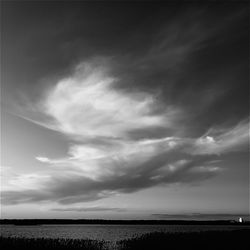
x=89 y=209
x=90 y=174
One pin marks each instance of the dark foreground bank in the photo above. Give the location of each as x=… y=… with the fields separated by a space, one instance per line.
x=211 y=240
x=236 y=239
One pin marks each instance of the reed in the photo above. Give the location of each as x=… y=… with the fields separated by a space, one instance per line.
x=14 y=243
x=235 y=239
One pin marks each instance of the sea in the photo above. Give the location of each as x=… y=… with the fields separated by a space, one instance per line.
x=103 y=232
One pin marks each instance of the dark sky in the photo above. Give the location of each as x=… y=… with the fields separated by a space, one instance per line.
x=158 y=91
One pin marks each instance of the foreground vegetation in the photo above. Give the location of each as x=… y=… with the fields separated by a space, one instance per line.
x=209 y=240
x=11 y=243
x=236 y=239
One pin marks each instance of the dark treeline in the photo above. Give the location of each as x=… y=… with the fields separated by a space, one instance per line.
x=118 y=222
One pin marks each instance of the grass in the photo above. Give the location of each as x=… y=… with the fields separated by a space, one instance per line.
x=11 y=243
x=212 y=240
x=209 y=240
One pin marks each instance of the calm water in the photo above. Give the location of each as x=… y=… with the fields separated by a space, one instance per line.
x=106 y=232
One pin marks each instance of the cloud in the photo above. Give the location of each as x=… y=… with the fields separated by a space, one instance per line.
x=135 y=167
x=88 y=104
x=89 y=209
x=42 y=159
x=104 y=160
x=221 y=140
x=69 y=188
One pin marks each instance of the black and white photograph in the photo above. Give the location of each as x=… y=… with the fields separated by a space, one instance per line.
x=124 y=125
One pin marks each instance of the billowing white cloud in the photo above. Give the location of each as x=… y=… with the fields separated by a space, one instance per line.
x=89 y=104
x=42 y=159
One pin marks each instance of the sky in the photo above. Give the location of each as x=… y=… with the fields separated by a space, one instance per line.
x=124 y=110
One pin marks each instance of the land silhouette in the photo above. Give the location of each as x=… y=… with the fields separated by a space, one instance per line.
x=119 y=222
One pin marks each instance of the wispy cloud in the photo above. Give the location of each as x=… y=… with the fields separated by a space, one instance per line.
x=90 y=173
x=222 y=140
x=89 y=209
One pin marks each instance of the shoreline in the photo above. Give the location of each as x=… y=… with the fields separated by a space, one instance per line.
x=26 y=222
